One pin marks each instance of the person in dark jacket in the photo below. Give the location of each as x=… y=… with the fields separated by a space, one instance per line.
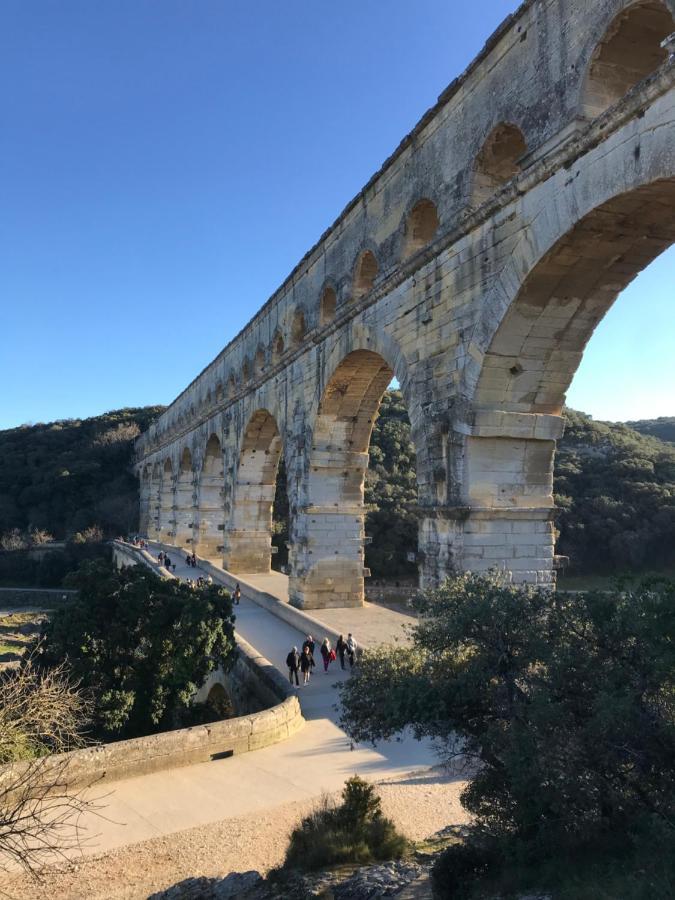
x=306 y=665
x=293 y=663
x=237 y=595
x=309 y=642
x=341 y=648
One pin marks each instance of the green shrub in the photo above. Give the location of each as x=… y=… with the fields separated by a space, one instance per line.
x=140 y=645
x=564 y=704
x=353 y=832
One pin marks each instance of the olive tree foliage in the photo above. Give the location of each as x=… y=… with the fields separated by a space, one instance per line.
x=140 y=645
x=43 y=714
x=564 y=705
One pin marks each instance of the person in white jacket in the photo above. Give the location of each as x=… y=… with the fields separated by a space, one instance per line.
x=352 y=647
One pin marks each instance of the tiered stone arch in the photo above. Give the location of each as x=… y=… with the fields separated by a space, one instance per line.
x=209 y=531
x=420 y=227
x=155 y=491
x=498 y=160
x=628 y=52
x=529 y=363
x=184 y=502
x=327 y=559
x=328 y=306
x=248 y=537
x=166 y=515
x=365 y=273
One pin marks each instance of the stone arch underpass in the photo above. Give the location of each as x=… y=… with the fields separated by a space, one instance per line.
x=474 y=268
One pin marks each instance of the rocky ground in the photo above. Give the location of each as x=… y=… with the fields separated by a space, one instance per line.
x=17 y=629
x=420 y=804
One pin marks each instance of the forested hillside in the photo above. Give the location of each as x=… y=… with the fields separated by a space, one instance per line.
x=615 y=489
x=616 y=492
x=662 y=428
x=614 y=486
x=70 y=475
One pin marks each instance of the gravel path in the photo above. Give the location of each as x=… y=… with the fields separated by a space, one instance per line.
x=420 y=804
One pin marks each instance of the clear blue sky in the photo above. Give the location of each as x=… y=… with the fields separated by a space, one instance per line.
x=164 y=164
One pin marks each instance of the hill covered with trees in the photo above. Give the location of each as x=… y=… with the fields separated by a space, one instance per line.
x=614 y=486
x=662 y=428
x=70 y=475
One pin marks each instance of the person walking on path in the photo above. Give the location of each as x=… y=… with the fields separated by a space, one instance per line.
x=306 y=665
x=352 y=647
x=194 y=560
x=237 y=594
x=326 y=653
x=309 y=642
x=293 y=663
x=341 y=648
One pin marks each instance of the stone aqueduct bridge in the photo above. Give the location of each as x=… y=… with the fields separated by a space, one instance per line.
x=473 y=267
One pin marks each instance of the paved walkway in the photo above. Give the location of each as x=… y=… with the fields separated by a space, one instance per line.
x=370 y=624
x=318 y=758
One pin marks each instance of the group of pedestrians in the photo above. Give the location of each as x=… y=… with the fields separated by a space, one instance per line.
x=191 y=560
x=199 y=582
x=303 y=661
x=165 y=560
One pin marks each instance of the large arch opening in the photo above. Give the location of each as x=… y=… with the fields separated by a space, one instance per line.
x=629 y=51
x=209 y=537
x=184 y=508
x=166 y=517
x=248 y=540
x=538 y=346
x=498 y=161
x=332 y=551
x=530 y=363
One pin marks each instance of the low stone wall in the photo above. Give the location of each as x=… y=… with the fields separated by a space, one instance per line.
x=105 y=763
x=253 y=682
x=40 y=597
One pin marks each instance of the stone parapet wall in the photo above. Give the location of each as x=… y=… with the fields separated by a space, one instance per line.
x=105 y=763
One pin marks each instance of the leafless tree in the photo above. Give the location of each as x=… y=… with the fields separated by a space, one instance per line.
x=91 y=535
x=39 y=536
x=42 y=717
x=13 y=540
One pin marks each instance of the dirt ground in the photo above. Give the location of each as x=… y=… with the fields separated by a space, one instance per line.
x=420 y=804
